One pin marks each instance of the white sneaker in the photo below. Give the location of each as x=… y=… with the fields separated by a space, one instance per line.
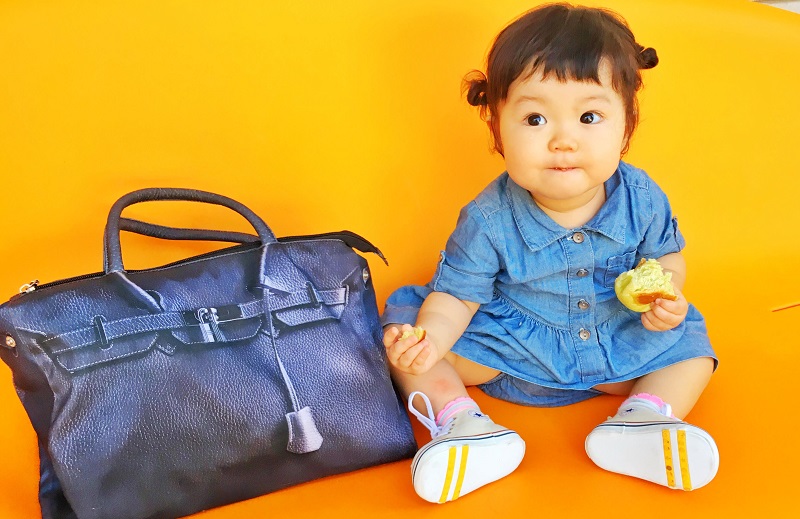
x=467 y=452
x=650 y=446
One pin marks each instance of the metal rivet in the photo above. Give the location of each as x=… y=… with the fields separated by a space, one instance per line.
x=10 y=342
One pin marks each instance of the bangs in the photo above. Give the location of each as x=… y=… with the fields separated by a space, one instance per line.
x=569 y=44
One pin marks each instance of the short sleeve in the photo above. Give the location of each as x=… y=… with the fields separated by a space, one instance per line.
x=469 y=264
x=662 y=235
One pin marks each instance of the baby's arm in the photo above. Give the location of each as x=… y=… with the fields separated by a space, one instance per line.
x=444 y=318
x=666 y=314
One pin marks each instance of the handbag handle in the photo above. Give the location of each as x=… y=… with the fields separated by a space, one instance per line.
x=164 y=232
x=113 y=250
x=178 y=233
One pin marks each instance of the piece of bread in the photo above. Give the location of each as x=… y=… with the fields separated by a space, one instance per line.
x=639 y=287
x=418 y=331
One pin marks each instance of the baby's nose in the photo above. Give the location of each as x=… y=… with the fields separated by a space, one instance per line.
x=563 y=141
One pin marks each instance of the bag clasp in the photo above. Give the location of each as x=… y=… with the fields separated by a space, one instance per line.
x=209 y=324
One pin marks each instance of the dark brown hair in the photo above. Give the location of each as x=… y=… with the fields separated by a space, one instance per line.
x=567 y=41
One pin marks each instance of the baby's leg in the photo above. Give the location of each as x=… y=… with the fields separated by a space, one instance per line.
x=646 y=440
x=679 y=385
x=441 y=383
x=444 y=382
x=692 y=376
x=468 y=450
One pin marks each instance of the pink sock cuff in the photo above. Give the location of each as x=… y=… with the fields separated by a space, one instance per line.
x=454 y=406
x=663 y=407
x=652 y=398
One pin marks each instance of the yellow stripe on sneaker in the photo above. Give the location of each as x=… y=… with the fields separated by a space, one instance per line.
x=665 y=438
x=683 y=454
x=462 y=469
x=448 y=478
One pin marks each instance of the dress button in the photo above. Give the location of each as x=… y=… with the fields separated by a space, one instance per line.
x=584 y=334
x=582 y=273
x=583 y=304
x=578 y=237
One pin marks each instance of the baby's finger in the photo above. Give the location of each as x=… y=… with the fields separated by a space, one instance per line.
x=398 y=349
x=660 y=310
x=648 y=325
x=410 y=355
x=398 y=332
x=393 y=353
x=390 y=335
x=422 y=358
x=677 y=307
x=652 y=323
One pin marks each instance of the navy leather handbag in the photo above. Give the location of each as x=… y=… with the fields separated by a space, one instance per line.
x=158 y=393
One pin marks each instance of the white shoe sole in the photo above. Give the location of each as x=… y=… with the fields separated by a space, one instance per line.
x=674 y=454
x=446 y=470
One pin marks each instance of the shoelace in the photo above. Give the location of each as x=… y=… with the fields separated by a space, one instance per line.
x=429 y=421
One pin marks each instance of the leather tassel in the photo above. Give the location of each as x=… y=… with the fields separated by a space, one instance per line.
x=303 y=434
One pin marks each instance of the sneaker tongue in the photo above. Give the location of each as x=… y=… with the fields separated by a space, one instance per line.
x=443 y=429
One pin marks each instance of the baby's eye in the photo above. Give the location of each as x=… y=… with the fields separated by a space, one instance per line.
x=536 y=120
x=591 y=118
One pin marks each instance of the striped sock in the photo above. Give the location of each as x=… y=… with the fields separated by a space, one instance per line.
x=455 y=406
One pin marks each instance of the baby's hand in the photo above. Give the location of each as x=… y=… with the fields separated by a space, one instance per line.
x=411 y=354
x=665 y=314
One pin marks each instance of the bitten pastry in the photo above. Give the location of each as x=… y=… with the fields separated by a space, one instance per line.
x=639 y=287
x=418 y=331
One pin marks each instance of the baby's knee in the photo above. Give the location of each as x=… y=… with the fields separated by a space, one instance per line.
x=703 y=366
x=471 y=373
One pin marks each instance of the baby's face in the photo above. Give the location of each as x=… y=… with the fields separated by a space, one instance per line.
x=562 y=140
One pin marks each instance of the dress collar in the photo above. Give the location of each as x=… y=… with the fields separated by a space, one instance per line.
x=539 y=230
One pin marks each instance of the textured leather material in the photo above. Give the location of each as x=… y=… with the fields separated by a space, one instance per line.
x=161 y=392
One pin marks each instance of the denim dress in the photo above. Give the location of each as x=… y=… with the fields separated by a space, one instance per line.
x=549 y=319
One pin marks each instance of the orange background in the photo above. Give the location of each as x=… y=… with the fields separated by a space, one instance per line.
x=347 y=114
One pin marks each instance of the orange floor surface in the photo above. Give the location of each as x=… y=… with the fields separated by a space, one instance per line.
x=324 y=116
